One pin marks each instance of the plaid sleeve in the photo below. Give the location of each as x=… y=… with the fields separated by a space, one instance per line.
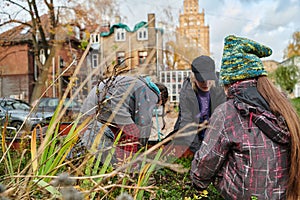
x=210 y=157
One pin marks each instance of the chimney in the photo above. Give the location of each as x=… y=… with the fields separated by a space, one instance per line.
x=151 y=20
x=151 y=31
x=105 y=26
x=117 y=19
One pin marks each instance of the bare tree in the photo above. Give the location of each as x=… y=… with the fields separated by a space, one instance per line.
x=49 y=33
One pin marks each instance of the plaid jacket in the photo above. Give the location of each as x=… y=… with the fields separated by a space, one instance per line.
x=245 y=151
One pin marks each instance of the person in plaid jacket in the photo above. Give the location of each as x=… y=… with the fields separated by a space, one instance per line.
x=251 y=148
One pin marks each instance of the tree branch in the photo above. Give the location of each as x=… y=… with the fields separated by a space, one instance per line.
x=19 y=5
x=15 y=21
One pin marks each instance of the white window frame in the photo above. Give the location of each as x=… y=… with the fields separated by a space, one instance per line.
x=77 y=32
x=173 y=80
x=120 y=34
x=142 y=34
x=120 y=58
x=95 y=38
x=142 y=57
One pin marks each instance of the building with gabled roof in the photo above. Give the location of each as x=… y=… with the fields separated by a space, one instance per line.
x=137 y=51
x=18 y=70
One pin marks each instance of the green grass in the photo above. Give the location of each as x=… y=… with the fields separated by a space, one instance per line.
x=296 y=103
x=173 y=185
x=153 y=182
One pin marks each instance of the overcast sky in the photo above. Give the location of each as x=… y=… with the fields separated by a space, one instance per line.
x=271 y=22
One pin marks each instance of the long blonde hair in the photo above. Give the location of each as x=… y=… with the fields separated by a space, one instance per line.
x=279 y=104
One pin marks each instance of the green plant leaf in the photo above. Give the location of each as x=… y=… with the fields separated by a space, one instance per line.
x=48 y=187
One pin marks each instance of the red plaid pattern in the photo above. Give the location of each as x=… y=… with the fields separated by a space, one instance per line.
x=244 y=158
x=128 y=143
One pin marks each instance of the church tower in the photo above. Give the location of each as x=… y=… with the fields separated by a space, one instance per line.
x=192 y=26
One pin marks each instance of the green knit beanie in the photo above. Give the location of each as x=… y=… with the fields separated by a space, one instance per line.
x=241 y=59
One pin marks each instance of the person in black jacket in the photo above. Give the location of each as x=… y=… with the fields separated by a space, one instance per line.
x=199 y=96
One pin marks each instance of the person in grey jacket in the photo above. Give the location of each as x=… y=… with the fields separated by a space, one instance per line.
x=126 y=104
x=199 y=96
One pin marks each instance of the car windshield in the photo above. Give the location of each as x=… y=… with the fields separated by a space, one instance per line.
x=14 y=105
x=55 y=102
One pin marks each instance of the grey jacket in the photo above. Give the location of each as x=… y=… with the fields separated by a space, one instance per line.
x=189 y=112
x=124 y=100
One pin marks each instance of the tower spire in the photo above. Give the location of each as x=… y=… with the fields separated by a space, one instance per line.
x=192 y=27
x=191 y=6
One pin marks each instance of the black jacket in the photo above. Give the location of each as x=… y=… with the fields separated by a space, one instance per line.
x=188 y=117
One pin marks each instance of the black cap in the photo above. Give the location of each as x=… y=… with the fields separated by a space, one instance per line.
x=204 y=68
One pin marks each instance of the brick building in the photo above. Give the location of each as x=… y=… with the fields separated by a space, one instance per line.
x=192 y=27
x=16 y=64
x=140 y=50
x=192 y=35
x=18 y=70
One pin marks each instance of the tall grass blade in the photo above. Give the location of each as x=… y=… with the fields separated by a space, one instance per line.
x=6 y=153
x=62 y=150
x=145 y=175
x=33 y=148
x=49 y=188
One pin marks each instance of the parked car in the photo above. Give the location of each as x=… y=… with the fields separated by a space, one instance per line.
x=49 y=104
x=18 y=112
